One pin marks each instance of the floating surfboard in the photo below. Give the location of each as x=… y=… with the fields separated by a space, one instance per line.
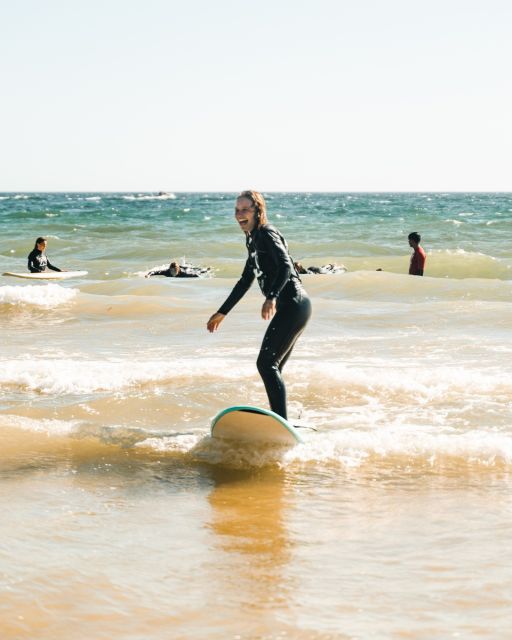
x=252 y=424
x=46 y=275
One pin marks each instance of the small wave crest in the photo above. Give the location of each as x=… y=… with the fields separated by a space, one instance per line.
x=351 y=449
x=396 y=449
x=47 y=296
x=63 y=376
x=402 y=287
x=329 y=382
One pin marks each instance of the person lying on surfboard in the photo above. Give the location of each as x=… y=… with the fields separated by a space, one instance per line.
x=325 y=269
x=37 y=258
x=286 y=304
x=174 y=270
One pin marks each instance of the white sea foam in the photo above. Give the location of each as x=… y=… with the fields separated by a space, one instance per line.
x=41 y=425
x=141 y=196
x=350 y=395
x=47 y=296
x=398 y=447
x=74 y=376
x=349 y=449
x=393 y=379
x=180 y=443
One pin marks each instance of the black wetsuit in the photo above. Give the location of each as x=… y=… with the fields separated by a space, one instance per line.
x=270 y=262
x=168 y=274
x=184 y=272
x=38 y=262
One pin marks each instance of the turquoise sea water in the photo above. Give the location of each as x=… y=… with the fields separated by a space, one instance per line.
x=465 y=234
x=124 y=519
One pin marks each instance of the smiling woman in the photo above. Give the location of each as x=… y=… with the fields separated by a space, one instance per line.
x=286 y=301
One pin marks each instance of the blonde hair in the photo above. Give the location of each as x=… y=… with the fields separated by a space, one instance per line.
x=259 y=204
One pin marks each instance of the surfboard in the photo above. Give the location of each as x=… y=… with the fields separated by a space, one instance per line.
x=46 y=275
x=253 y=425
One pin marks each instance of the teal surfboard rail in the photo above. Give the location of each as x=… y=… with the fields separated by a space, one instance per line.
x=265 y=412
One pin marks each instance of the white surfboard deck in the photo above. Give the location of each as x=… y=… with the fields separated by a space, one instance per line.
x=252 y=424
x=46 y=275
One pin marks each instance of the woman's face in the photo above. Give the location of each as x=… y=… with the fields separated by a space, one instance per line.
x=42 y=245
x=245 y=214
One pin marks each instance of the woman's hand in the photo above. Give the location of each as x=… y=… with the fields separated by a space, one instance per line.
x=268 y=309
x=214 y=322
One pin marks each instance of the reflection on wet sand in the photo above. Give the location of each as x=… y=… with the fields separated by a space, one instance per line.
x=249 y=523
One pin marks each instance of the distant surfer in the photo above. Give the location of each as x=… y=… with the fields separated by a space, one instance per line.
x=37 y=258
x=286 y=301
x=174 y=270
x=418 y=257
x=325 y=269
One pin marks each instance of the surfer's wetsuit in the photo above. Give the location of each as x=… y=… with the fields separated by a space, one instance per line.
x=184 y=272
x=38 y=262
x=270 y=262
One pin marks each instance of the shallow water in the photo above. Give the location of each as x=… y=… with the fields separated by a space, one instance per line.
x=122 y=518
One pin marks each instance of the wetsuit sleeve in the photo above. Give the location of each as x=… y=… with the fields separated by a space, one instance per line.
x=32 y=266
x=50 y=266
x=163 y=272
x=240 y=288
x=281 y=258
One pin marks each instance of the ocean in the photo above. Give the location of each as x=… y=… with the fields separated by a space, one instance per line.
x=122 y=519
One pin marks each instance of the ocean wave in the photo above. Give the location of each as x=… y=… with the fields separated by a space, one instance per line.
x=80 y=377
x=47 y=296
x=453 y=263
x=47 y=426
x=352 y=449
x=74 y=376
x=378 y=384
x=409 y=445
x=458 y=263
x=395 y=450
x=384 y=286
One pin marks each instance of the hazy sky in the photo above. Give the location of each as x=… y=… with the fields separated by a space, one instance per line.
x=275 y=95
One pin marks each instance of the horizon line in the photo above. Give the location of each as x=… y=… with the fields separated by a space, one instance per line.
x=169 y=192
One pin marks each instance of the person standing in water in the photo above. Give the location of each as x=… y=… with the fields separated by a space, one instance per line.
x=286 y=304
x=418 y=256
x=37 y=258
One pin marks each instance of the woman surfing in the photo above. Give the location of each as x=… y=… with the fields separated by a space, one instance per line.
x=286 y=303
